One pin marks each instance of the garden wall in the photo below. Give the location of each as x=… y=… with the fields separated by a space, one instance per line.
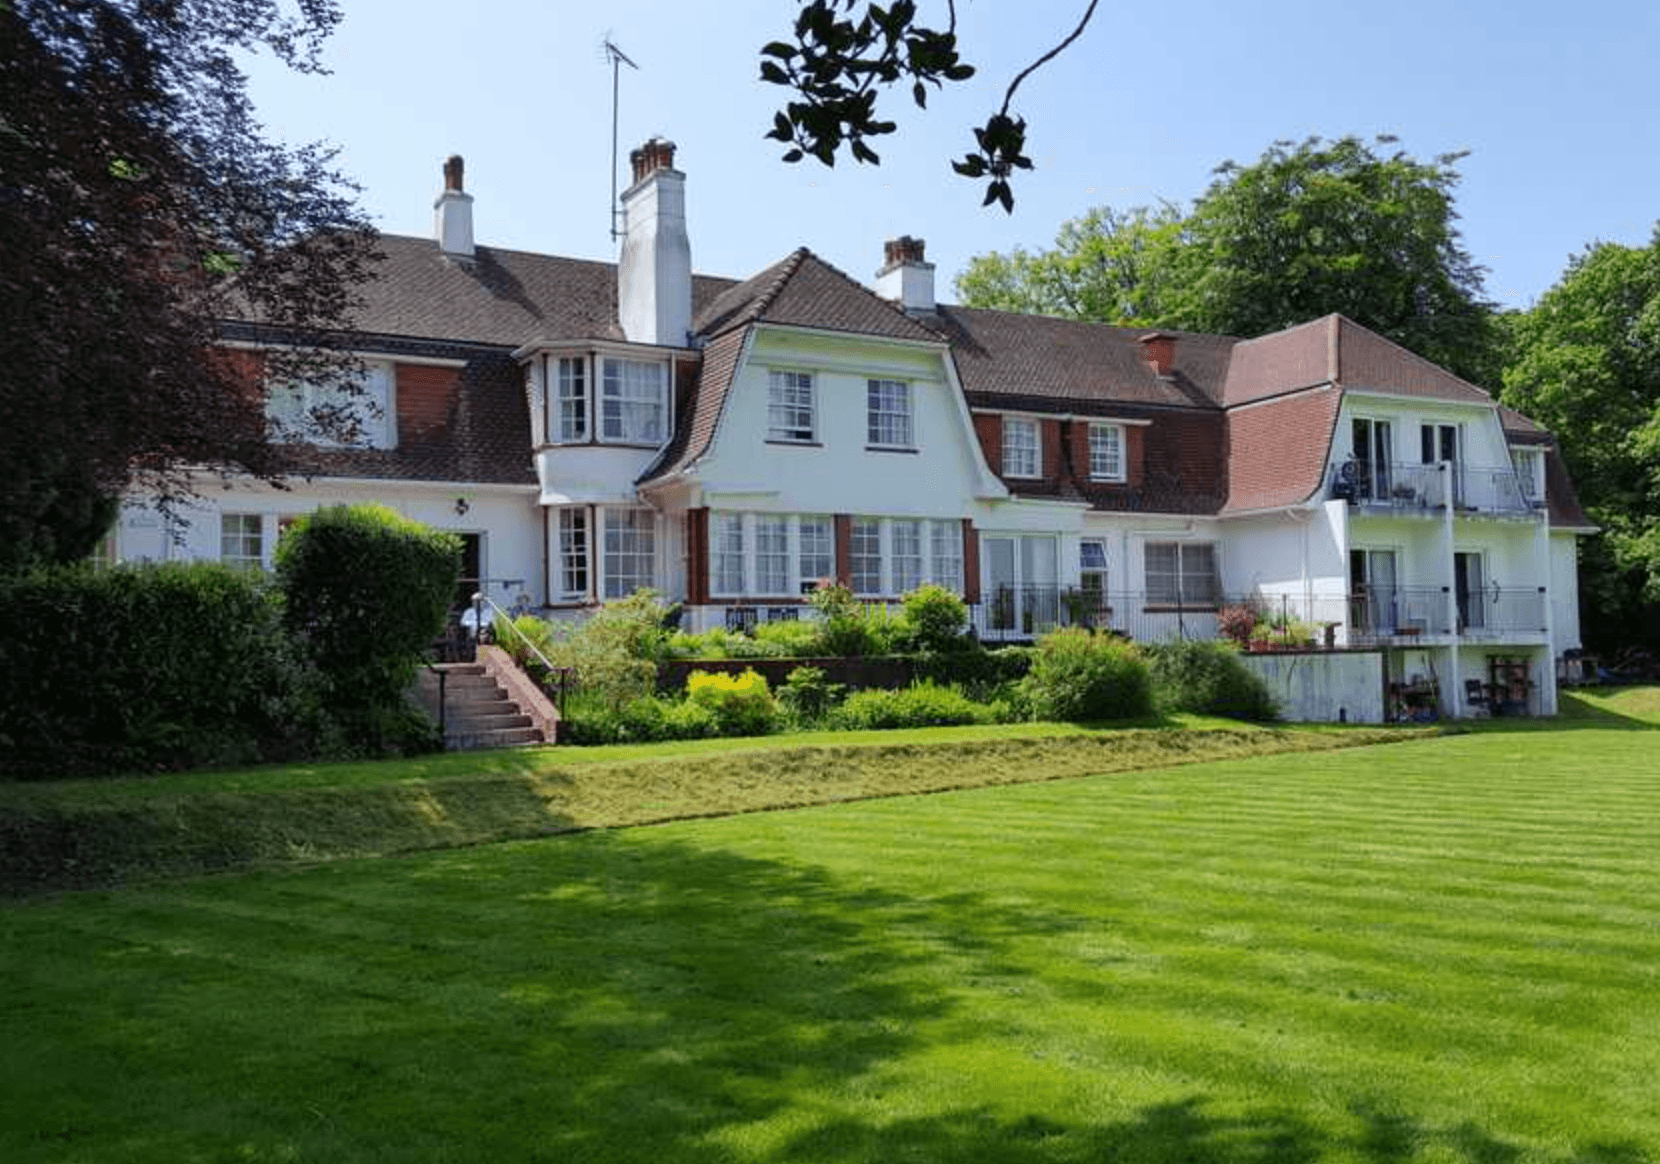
x=1323 y=686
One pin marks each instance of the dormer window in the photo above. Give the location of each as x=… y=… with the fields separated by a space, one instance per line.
x=333 y=415
x=1022 y=452
x=634 y=402
x=1106 y=452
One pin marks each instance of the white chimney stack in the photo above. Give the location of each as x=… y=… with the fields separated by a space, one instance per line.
x=905 y=278
x=654 y=274
x=452 y=214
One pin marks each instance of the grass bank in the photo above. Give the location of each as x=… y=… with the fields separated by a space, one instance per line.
x=104 y=832
x=1442 y=951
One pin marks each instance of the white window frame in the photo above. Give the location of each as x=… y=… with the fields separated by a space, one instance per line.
x=570 y=397
x=907 y=554
x=866 y=557
x=244 y=546
x=945 y=557
x=728 y=567
x=1188 y=579
x=1022 y=447
x=890 y=414
x=1106 y=456
x=633 y=412
x=792 y=407
x=629 y=537
x=815 y=553
x=574 y=540
x=774 y=563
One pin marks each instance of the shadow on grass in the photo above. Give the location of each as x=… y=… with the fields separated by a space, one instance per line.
x=1577 y=713
x=616 y=997
x=1180 y=1132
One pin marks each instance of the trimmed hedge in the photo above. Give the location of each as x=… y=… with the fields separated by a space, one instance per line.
x=366 y=591
x=144 y=668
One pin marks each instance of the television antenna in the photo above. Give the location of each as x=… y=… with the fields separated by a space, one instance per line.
x=617 y=59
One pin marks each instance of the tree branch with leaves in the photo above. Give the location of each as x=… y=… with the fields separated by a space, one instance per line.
x=844 y=57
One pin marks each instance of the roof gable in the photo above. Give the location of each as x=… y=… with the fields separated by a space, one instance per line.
x=802 y=290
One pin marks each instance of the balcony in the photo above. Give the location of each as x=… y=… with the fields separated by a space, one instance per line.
x=1398 y=616
x=1409 y=489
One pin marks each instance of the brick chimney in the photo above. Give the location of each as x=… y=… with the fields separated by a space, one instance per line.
x=905 y=277
x=654 y=273
x=452 y=213
x=1158 y=348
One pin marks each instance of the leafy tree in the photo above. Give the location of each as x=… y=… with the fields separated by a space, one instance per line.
x=141 y=207
x=1109 y=266
x=1306 y=230
x=1585 y=363
x=838 y=66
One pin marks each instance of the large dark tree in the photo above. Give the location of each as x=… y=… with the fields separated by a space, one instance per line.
x=140 y=206
x=1585 y=362
x=1305 y=230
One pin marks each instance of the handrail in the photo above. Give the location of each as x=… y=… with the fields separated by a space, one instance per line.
x=563 y=672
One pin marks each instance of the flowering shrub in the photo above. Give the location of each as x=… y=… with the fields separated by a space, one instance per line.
x=741 y=704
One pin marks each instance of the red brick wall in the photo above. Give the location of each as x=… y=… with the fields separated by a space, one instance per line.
x=697 y=556
x=844 y=549
x=424 y=398
x=971 y=562
x=989 y=428
x=245 y=367
x=1049 y=438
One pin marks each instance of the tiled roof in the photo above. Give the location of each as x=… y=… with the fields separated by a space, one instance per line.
x=1522 y=430
x=803 y=290
x=696 y=427
x=1072 y=364
x=485 y=438
x=1277 y=449
x=502 y=297
x=1335 y=349
x=1560 y=496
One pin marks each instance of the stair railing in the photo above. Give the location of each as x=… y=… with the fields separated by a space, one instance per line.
x=561 y=675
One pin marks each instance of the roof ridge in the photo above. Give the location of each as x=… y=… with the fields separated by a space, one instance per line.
x=787 y=268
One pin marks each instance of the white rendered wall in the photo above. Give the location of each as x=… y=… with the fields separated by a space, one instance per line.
x=1324 y=687
x=1564 y=592
x=507 y=518
x=837 y=473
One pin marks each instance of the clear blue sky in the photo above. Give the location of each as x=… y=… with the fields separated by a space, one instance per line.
x=1556 y=102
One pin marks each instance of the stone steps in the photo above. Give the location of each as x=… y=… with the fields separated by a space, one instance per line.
x=477 y=712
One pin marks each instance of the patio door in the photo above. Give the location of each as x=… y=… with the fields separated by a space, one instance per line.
x=1439 y=442
x=1374 y=448
x=1374 y=599
x=1468 y=588
x=1021 y=584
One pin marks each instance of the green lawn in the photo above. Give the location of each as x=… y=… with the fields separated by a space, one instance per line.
x=1438 y=950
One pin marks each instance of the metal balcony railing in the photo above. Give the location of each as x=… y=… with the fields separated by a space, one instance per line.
x=1410 y=488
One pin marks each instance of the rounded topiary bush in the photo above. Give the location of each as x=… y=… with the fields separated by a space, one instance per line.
x=1208 y=678
x=1078 y=674
x=935 y=619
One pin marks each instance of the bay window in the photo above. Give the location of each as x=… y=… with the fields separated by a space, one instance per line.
x=865 y=556
x=630 y=551
x=572 y=398
x=634 y=402
x=573 y=554
x=772 y=554
x=816 y=551
x=728 y=563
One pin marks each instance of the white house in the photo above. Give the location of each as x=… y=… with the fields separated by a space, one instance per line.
x=592 y=428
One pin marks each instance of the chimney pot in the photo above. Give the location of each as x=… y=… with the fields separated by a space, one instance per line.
x=452 y=173
x=656 y=154
x=452 y=214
